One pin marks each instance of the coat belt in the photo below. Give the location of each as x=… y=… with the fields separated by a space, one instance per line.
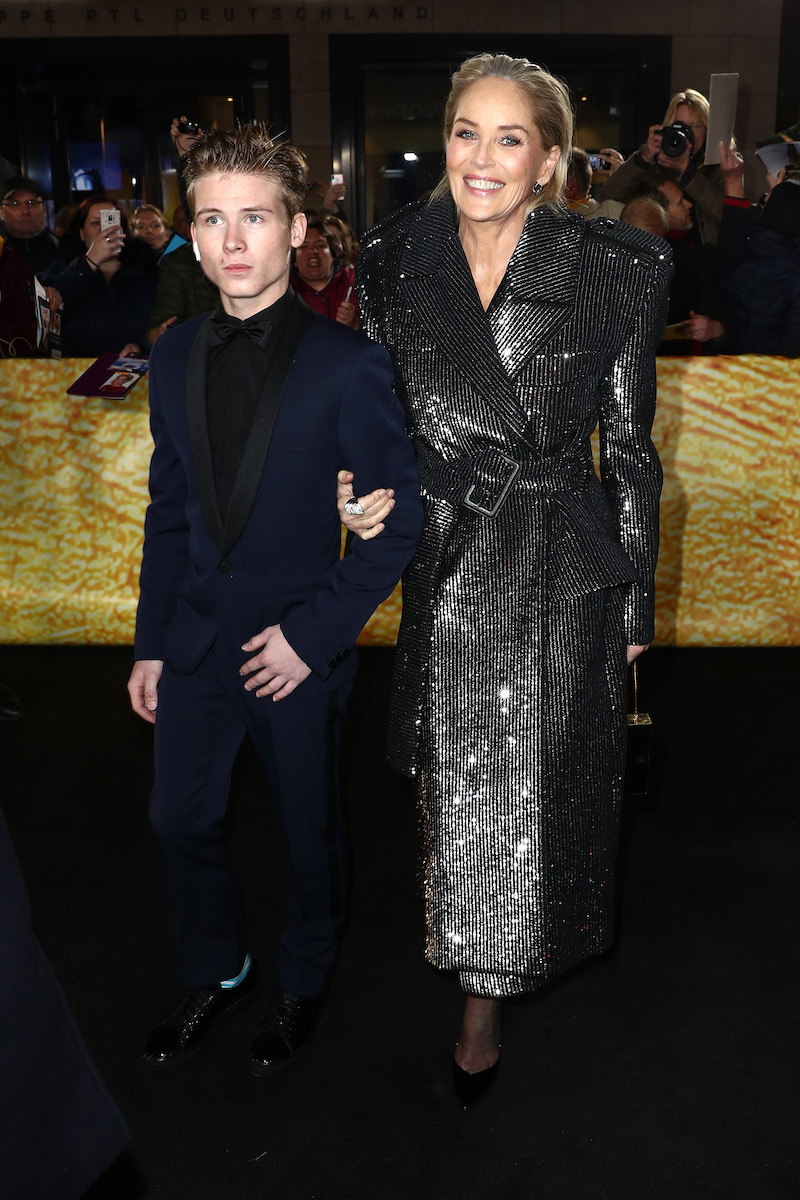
x=485 y=482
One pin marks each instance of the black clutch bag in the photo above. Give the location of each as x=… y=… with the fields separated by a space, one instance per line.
x=640 y=727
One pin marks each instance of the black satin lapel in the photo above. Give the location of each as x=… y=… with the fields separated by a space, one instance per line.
x=251 y=469
x=446 y=302
x=197 y=420
x=540 y=289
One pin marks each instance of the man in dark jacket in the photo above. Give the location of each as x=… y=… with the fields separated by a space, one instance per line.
x=25 y=219
x=248 y=612
x=764 y=289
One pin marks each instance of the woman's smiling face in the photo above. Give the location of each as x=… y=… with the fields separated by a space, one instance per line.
x=495 y=153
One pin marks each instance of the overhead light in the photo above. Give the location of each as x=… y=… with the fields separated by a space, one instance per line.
x=584 y=97
x=410 y=156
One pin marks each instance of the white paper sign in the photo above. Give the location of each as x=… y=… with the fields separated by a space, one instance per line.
x=722 y=102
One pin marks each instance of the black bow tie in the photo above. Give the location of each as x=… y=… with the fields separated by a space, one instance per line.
x=221 y=330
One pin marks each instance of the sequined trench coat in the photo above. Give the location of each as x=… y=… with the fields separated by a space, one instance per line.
x=531 y=575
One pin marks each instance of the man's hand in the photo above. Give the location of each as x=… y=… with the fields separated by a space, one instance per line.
x=278 y=669
x=700 y=328
x=377 y=506
x=143 y=687
x=635 y=651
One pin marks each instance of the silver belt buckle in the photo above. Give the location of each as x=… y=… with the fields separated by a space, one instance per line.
x=507 y=486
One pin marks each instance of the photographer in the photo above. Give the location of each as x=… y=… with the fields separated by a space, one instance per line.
x=679 y=143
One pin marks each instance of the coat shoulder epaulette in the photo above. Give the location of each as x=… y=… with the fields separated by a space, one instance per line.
x=610 y=236
x=392 y=228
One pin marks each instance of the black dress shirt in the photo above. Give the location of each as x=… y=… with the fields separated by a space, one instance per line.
x=237 y=371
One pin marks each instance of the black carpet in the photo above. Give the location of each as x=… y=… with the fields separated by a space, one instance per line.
x=667 y=1069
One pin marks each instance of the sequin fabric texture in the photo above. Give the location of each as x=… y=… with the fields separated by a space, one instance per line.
x=509 y=699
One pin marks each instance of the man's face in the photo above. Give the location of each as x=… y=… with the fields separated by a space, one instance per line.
x=24 y=214
x=245 y=240
x=679 y=209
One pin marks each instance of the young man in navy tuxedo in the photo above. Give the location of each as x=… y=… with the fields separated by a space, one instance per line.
x=248 y=614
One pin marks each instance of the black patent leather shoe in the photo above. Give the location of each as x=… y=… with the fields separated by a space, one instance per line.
x=470 y=1089
x=10 y=704
x=286 y=1030
x=202 y=1009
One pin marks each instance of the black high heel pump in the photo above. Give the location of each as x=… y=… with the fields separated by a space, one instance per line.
x=469 y=1089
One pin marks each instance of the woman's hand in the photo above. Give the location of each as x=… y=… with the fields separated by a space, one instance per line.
x=652 y=147
x=377 y=506
x=732 y=165
x=679 y=164
x=333 y=194
x=635 y=651
x=106 y=246
x=346 y=314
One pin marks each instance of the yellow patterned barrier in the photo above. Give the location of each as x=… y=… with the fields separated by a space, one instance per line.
x=74 y=489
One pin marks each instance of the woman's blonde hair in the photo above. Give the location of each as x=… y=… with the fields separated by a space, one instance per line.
x=697 y=105
x=144 y=208
x=551 y=111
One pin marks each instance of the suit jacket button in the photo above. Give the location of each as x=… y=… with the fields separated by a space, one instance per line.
x=225 y=568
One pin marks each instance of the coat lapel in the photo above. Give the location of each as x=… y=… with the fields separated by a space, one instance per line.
x=534 y=300
x=539 y=292
x=197 y=420
x=443 y=298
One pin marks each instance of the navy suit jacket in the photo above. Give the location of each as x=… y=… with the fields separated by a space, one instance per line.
x=277 y=559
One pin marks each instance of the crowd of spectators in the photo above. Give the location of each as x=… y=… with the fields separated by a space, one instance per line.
x=736 y=284
x=736 y=287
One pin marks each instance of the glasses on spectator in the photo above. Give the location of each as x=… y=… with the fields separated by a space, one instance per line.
x=22 y=203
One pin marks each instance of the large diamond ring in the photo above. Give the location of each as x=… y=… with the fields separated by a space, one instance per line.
x=353 y=508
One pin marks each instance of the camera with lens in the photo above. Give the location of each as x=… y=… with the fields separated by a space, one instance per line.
x=675 y=138
x=188 y=127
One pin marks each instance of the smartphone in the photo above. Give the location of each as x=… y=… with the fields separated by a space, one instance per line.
x=109 y=217
x=337 y=178
x=598 y=163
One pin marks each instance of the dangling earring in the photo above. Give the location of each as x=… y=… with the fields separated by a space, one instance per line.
x=537 y=189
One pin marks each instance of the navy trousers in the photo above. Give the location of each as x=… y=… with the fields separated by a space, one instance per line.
x=201 y=722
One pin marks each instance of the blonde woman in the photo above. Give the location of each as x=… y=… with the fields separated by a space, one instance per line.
x=515 y=328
